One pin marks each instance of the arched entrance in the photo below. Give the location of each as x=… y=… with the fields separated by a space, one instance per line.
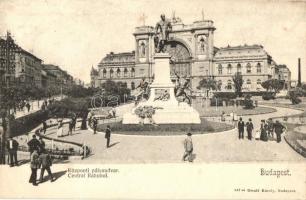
x=180 y=59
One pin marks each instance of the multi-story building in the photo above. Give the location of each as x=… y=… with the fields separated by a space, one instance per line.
x=193 y=56
x=63 y=79
x=8 y=50
x=20 y=67
x=117 y=67
x=28 y=69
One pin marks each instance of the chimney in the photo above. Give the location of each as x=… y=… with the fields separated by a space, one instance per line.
x=299 y=73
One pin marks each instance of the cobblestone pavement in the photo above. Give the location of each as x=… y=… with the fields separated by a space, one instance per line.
x=214 y=147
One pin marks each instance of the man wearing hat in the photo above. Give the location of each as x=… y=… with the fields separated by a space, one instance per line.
x=279 y=129
x=240 y=129
x=188 y=148
x=12 y=147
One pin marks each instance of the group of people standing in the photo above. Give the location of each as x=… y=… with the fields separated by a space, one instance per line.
x=39 y=159
x=71 y=126
x=266 y=132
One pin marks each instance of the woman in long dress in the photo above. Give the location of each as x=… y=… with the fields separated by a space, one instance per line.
x=263 y=130
x=59 y=132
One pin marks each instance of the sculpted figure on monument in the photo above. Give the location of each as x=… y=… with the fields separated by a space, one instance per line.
x=162 y=29
x=144 y=91
x=180 y=89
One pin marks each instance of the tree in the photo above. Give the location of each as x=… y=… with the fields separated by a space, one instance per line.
x=274 y=85
x=238 y=82
x=209 y=84
x=115 y=89
x=294 y=97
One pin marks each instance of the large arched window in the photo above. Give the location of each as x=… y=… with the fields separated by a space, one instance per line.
x=125 y=72
x=249 y=68
x=132 y=72
x=258 y=67
x=111 y=72
x=219 y=69
x=238 y=68
x=229 y=69
x=104 y=73
x=118 y=72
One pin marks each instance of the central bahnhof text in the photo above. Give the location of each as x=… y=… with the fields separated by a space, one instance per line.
x=91 y=172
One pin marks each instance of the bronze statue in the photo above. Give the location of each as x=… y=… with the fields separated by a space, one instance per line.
x=162 y=29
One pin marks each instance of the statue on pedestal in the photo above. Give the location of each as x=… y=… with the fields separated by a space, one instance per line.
x=162 y=29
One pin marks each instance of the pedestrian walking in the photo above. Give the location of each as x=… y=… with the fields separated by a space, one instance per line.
x=114 y=112
x=249 y=127
x=107 y=135
x=74 y=120
x=33 y=144
x=46 y=163
x=59 y=132
x=270 y=128
x=44 y=126
x=94 y=124
x=188 y=146
x=35 y=164
x=263 y=131
x=240 y=129
x=28 y=106
x=12 y=147
x=279 y=129
x=70 y=127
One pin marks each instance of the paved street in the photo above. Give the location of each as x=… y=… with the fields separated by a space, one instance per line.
x=215 y=147
x=35 y=106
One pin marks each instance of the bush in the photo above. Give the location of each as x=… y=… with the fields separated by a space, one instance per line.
x=165 y=129
x=248 y=102
x=64 y=107
x=225 y=95
x=268 y=96
x=294 y=97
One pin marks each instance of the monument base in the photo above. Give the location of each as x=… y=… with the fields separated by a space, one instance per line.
x=167 y=109
x=168 y=113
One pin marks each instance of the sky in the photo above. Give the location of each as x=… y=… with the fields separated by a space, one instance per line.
x=77 y=34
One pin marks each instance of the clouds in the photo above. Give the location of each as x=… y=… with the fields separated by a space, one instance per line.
x=76 y=34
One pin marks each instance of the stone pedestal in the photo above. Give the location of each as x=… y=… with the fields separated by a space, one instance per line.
x=171 y=111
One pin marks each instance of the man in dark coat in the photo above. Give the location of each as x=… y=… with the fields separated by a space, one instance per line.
x=279 y=129
x=44 y=126
x=46 y=163
x=107 y=135
x=241 y=129
x=33 y=144
x=12 y=147
x=95 y=124
x=249 y=127
x=270 y=125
